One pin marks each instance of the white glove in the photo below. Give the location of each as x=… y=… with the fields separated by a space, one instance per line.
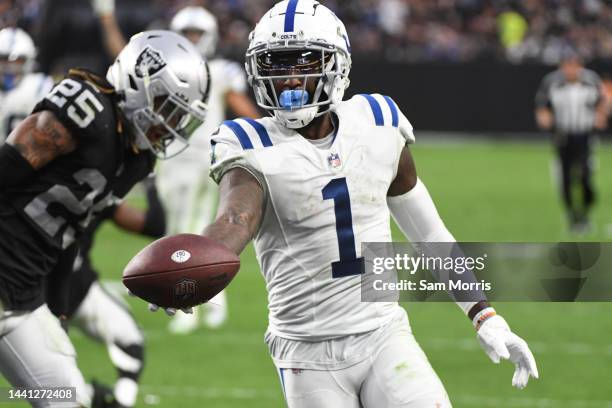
x=169 y=310
x=103 y=7
x=499 y=342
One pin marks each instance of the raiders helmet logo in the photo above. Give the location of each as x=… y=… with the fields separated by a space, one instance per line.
x=149 y=61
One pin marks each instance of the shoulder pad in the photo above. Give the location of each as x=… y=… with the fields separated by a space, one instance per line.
x=232 y=141
x=249 y=133
x=592 y=76
x=81 y=107
x=385 y=112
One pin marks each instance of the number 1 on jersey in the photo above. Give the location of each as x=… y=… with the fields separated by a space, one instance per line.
x=348 y=264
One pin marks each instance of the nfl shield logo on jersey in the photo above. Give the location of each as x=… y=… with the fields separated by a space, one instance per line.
x=334 y=160
x=184 y=289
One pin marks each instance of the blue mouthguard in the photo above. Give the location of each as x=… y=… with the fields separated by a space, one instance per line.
x=8 y=82
x=293 y=99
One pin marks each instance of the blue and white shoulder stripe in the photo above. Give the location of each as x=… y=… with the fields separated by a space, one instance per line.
x=383 y=108
x=383 y=111
x=250 y=133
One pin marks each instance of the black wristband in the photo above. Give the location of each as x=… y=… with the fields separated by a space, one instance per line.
x=14 y=168
x=154 y=225
x=155 y=218
x=483 y=304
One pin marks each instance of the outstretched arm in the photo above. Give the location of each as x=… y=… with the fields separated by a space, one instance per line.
x=241 y=202
x=417 y=217
x=240 y=210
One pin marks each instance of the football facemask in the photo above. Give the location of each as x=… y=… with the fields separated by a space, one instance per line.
x=11 y=71
x=312 y=63
x=164 y=85
x=281 y=66
x=166 y=124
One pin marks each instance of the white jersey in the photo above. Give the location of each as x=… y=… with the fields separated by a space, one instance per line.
x=18 y=103
x=321 y=204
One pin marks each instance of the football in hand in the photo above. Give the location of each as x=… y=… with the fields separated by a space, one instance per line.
x=180 y=271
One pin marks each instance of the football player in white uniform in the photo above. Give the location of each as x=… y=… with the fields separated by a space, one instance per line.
x=188 y=194
x=22 y=88
x=309 y=185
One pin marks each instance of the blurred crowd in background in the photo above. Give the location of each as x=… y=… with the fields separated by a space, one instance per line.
x=516 y=31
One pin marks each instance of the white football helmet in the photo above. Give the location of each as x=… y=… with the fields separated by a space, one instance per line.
x=164 y=85
x=17 y=53
x=298 y=39
x=198 y=18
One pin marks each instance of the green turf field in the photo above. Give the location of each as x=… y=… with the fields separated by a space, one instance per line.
x=484 y=192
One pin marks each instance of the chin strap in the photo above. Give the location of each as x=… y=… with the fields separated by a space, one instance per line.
x=296 y=119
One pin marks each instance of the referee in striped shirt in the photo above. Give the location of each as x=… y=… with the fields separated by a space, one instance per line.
x=570 y=103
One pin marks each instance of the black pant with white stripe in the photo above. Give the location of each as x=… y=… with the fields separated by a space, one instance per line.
x=574 y=152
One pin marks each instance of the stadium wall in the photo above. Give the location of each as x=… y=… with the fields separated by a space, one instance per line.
x=485 y=97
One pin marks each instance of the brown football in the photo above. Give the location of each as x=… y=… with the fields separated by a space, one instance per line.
x=180 y=271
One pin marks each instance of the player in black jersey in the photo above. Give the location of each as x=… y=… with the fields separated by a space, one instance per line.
x=84 y=146
x=102 y=315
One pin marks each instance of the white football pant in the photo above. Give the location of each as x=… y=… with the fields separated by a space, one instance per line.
x=397 y=376
x=35 y=351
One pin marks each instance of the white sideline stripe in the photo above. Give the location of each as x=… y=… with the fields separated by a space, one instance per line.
x=468 y=399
